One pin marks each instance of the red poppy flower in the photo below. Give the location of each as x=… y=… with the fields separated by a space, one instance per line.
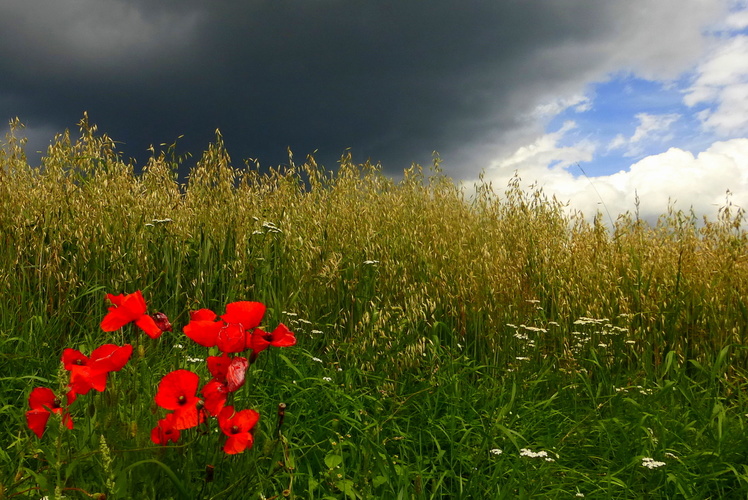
x=261 y=340
x=228 y=370
x=165 y=431
x=215 y=394
x=238 y=427
x=43 y=403
x=177 y=391
x=131 y=308
x=230 y=333
x=87 y=373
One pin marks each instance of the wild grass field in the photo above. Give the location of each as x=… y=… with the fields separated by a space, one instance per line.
x=447 y=346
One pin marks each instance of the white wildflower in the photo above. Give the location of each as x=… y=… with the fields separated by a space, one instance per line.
x=651 y=463
x=496 y=451
x=525 y=452
x=536 y=329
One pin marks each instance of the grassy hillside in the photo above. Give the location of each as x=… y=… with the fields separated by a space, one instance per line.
x=443 y=341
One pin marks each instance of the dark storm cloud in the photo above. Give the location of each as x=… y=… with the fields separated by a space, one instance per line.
x=394 y=80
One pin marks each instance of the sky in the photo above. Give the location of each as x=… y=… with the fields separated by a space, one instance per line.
x=598 y=103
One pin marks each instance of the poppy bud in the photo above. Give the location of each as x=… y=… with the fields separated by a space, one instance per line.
x=281 y=414
x=162 y=322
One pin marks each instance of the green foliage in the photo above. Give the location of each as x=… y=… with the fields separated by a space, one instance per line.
x=445 y=340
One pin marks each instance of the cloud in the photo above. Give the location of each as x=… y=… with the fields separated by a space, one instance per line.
x=652 y=124
x=394 y=81
x=721 y=85
x=88 y=37
x=545 y=151
x=578 y=102
x=676 y=176
x=651 y=128
x=737 y=20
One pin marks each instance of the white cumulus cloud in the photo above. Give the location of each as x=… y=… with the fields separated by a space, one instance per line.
x=651 y=128
x=721 y=84
x=674 y=177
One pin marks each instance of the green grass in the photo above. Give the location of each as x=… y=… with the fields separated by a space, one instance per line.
x=433 y=331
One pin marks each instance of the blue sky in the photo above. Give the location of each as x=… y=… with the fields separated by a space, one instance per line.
x=617 y=109
x=678 y=137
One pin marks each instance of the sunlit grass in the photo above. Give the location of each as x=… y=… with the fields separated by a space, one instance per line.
x=489 y=346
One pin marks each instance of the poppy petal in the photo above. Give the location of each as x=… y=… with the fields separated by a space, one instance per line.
x=149 y=326
x=165 y=431
x=115 y=299
x=81 y=380
x=135 y=303
x=110 y=357
x=67 y=420
x=257 y=341
x=237 y=443
x=42 y=398
x=204 y=333
x=218 y=366
x=224 y=419
x=73 y=357
x=176 y=384
x=283 y=337
x=236 y=372
x=246 y=419
x=117 y=318
x=203 y=315
x=188 y=417
x=37 y=421
x=231 y=338
x=126 y=308
x=215 y=394
x=248 y=314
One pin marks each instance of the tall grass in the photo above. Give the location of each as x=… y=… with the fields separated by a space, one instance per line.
x=447 y=326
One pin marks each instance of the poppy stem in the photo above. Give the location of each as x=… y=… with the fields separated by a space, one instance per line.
x=281 y=415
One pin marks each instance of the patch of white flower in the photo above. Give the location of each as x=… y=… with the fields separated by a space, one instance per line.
x=525 y=452
x=651 y=463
